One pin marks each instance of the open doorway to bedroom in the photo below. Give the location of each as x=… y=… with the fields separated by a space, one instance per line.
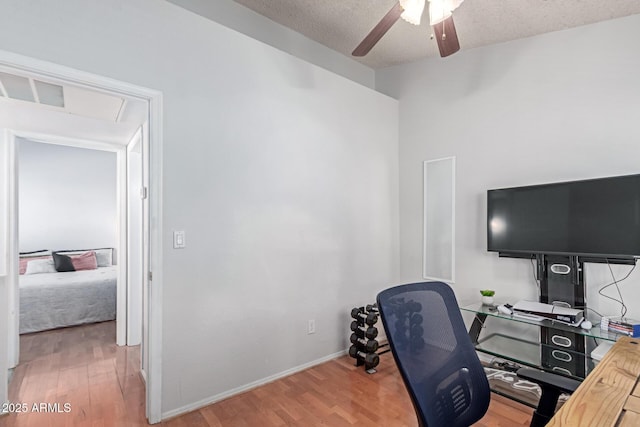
x=87 y=237
x=67 y=236
x=68 y=279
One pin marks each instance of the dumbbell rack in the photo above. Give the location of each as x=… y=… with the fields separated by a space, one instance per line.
x=363 y=339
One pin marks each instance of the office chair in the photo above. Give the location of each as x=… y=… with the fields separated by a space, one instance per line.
x=438 y=362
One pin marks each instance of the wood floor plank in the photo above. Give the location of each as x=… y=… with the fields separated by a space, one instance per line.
x=82 y=366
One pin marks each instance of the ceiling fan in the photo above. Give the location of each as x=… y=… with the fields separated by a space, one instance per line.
x=440 y=17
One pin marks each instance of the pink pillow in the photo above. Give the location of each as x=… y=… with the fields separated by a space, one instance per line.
x=25 y=260
x=84 y=261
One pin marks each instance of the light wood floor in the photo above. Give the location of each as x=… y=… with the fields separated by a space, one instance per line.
x=82 y=366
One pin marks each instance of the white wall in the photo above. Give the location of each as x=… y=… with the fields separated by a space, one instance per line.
x=67 y=197
x=556 y=107
x=240 y=18
x=282 y=174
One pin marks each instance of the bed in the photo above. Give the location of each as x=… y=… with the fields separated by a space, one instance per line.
x=52 y=299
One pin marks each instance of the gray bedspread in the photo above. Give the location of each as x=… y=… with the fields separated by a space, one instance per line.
x=54 y=300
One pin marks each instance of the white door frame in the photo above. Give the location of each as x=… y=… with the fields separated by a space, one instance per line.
x=134 y=237
x=13 y=344
x=154 y=321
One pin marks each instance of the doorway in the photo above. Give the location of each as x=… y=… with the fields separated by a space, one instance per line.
x=150 y=148
x=68 y=211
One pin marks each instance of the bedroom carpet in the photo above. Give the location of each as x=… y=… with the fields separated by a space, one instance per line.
x=82 y=366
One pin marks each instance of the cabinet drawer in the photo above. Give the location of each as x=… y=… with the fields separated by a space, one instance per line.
x=565 y=362
x=562 y=339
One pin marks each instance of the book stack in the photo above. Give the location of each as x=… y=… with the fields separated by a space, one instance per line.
x=624 y=325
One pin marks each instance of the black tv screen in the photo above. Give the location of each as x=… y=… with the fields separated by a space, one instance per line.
x=596 y=217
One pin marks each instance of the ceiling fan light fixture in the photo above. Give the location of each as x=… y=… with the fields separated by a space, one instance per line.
x=439 y=10
x=413 y=10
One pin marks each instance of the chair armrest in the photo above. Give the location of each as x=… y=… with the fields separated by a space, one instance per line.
x=542 y=378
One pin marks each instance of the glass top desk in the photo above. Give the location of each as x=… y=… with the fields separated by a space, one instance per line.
x=529 y=352
x=483 y=311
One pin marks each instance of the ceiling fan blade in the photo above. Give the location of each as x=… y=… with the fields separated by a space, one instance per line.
x=446 y=36
x=378 y=31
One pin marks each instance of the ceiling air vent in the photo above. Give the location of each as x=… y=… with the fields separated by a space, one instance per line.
x=26 y=89
x=49 y=93
x=68 y=98
x=17 y=87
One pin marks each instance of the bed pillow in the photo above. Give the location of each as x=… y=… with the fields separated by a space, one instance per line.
x=104 y=256
x=24 y=260
x=62 y=263
x=38 y=266
x=85 y=261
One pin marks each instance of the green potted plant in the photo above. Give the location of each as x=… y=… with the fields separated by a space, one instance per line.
x=487 y=296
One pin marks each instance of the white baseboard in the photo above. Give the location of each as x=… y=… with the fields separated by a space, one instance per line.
x=221 y=396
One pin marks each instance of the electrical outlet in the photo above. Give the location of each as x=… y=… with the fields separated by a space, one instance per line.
x=311 y=326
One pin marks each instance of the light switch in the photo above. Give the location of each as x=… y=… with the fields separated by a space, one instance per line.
x=179 y=241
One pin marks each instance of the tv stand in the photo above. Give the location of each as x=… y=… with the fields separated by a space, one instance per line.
x=562 y=282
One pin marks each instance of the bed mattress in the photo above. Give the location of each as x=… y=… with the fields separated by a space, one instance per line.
x=54 y=300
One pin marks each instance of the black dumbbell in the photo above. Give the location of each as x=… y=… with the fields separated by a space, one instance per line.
x=364 y=331
x=417 y=343
x=371 y=360
x=369 y=318
x=401 y=308
x=416 y=330
x=416 y=319
x=369 y=345
x=372 y=308
x=414 y=306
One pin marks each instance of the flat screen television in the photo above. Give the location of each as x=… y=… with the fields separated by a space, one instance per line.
x=596 y=217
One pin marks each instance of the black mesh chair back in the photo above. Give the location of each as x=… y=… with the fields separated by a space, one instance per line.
x=437 y=361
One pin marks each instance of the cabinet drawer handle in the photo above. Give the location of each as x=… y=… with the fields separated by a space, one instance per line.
x=562 y=355
x=563 y=370
x=561 y=341
x=560 y=269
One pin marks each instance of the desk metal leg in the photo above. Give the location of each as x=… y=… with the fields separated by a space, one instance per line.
x=476 y=327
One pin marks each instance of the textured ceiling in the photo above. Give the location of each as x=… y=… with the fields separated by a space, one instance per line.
x=342 y=24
